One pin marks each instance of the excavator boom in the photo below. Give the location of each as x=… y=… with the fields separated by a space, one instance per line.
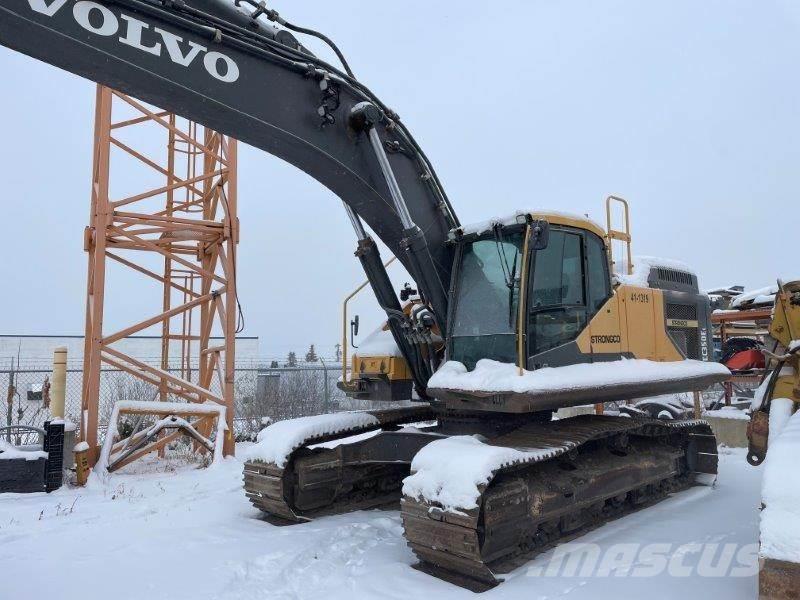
x=216 y=64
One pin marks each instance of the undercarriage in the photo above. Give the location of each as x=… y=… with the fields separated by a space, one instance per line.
x=318 y=481
x=597 y=468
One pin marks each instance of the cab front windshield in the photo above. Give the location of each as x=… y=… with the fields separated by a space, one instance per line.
x=487 y=296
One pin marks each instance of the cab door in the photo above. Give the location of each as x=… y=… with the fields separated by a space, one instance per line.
x=557 y=295
x=569 y=282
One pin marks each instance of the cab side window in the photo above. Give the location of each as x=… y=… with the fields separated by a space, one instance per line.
x=599 y=284
x=558 y=272
x=556 y=301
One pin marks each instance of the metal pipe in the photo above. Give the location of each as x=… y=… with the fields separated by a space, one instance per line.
x=624 y=236
x=358 y=226
x=391 y=181
x=521 y=302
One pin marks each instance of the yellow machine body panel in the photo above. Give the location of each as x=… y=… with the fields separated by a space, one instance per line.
x=378 y=375
x=785 y=325
x=785 y=328
x=390 y=367
x=632 y=323
x=384 y=377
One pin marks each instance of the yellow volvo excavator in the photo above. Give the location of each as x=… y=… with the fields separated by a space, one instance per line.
x=533 y=293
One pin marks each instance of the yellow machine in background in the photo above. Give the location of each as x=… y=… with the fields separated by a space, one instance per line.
x=783 y=365
x=374 y=372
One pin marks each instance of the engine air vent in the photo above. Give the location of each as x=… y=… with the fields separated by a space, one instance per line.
x=672 y=279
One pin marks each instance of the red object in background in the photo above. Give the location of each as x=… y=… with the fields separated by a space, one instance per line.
x=746 y=360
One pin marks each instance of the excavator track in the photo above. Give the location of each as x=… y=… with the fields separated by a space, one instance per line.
x=599 y=468
x=320 y=482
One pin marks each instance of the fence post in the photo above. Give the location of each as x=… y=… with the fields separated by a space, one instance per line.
x=59 y=384
x=326 y=405
x=10 y=393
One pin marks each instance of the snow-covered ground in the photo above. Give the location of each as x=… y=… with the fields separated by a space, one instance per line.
x=190 y=533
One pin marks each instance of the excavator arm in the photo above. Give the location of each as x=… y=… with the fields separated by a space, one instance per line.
x=226 y=67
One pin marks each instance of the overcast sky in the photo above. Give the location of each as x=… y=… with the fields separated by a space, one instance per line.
x=688 y=109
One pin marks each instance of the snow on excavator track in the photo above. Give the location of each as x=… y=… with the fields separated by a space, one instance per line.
x=598 y=468
x=306 y=484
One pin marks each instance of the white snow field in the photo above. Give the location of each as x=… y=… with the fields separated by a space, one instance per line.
x=186 y=533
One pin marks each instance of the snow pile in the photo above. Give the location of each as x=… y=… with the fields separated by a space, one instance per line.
x=758 y=395
x=205 y=408
x=667 y=400
x=279 y=440
x=379 y=343
x=68 y=425
x=642 y=266
x=727 y=412
x=10 y=452
x=761 y=390
x=518 y=217
x=780 y=412
x=450 y=471
x=765 y=295
x=335 y=443
x=725 y=290
x=780 y=493
x=492 y=376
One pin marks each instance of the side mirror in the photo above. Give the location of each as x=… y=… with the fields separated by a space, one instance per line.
x=353 y=331
x=540 y=234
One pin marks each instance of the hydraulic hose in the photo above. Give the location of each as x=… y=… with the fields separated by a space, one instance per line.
x=295 y=60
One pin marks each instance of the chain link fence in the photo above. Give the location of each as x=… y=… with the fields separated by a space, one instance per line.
x=262 y=394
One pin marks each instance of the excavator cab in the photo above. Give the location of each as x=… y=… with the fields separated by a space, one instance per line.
x=537 y=290
x=565 y=276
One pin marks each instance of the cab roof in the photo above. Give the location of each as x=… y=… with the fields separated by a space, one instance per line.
x=518 y=217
